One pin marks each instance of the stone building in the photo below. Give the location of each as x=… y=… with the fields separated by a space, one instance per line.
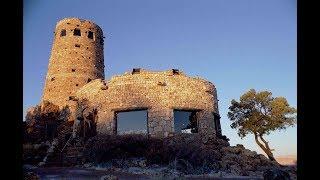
x=76 y=69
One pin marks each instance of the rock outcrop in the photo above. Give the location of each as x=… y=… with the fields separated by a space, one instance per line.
x=185 y=153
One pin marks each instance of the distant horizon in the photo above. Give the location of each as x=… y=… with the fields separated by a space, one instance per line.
x=235 y=45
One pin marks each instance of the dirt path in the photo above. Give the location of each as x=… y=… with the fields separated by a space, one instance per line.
x=80 y=173
x=72 y=173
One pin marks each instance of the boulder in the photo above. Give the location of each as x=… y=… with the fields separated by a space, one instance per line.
x=235 y=169
x=184 y=166
x=215 y=174
x=31 y=176
x=49 y=109
x=249 y=153
x=142 y=163
x=109 y=177
x=136 y=170
x=248 y=168
x=231 y=157
x=87 y=165
x=236 y=149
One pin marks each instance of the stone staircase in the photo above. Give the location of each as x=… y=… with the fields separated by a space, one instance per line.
x=64 y=154
x=73 y=156
x=51 y=152
x=73 y=153
x=54 y=160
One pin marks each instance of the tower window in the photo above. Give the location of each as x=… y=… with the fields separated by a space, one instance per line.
x=175 y=71
x=135 y=71
x=63 y=32
x=77 y=32
x=77 y=45
x=90 y=35
x=52 y=79
x=88 y=80
x=73 y=70
x=77 y=84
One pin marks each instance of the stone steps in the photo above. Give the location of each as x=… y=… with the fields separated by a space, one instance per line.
x=72 y=155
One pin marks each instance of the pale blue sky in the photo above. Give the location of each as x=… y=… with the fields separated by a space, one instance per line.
x=235 y=44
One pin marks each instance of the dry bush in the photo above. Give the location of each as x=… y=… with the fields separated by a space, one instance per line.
x=106 y=147
x=42 y=122
x=185 y=149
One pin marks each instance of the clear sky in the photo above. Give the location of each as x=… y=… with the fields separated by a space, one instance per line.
x=235 y=44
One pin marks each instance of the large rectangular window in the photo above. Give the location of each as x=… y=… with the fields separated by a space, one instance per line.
x=185 y=121
x=132 y=122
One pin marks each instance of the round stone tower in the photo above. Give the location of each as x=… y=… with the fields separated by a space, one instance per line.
x=76 y=59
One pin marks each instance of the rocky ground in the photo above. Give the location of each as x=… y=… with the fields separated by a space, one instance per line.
x=130 y=157
x=181 y=156
x=187 y=155
x=107 y=172
x=119 y=174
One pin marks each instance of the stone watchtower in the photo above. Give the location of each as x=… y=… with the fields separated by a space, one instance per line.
x=76 y=59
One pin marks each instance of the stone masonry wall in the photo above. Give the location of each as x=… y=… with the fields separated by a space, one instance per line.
x=75 y=60
x=157 y=92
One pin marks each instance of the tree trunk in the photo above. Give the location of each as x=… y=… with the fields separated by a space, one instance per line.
x=265 y=148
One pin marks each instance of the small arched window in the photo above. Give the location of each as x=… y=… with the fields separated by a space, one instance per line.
x=77 y=32
x=63 y=32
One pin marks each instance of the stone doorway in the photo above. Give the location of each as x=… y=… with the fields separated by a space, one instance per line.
x=131 y=122
x=185 y=121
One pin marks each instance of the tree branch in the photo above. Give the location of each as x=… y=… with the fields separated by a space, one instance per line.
x=259 y=143
x=265 y=142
